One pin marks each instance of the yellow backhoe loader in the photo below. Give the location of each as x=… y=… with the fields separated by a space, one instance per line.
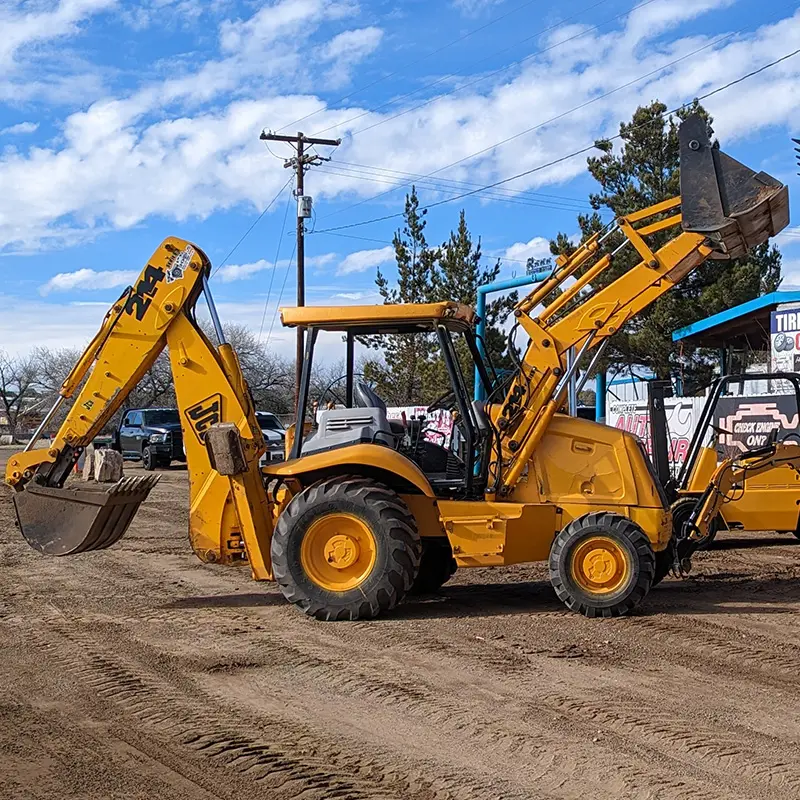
x=365 y=509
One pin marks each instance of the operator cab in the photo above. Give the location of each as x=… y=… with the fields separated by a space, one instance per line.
x=449 y=440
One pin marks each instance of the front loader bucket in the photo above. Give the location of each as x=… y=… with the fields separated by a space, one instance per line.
x=735 y=207
x=63 y=522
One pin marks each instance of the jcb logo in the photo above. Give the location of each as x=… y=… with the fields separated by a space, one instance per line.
x=204 y=414
x=142 y=296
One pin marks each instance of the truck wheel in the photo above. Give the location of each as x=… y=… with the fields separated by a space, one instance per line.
x=681 y=509
x=602 y=565
x=148 y=459
x=345 y=548
x=436 y=567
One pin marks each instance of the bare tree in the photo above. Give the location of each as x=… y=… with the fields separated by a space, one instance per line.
x=19 y=395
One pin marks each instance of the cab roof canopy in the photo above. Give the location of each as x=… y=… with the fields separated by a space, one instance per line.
x=390 y=318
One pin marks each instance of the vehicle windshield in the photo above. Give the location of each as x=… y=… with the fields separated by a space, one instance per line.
x=162 y=416
x=267 y=421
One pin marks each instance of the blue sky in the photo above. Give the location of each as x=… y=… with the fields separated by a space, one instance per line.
x=121 y=123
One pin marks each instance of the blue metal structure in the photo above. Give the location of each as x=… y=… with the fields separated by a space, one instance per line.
x=480 y=310
x=744 y=311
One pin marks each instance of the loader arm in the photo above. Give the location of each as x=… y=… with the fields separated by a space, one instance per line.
x=157 y=312
x=730 y=209
x=727 y=479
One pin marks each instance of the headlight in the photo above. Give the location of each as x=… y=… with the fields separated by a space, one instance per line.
x=158 y=438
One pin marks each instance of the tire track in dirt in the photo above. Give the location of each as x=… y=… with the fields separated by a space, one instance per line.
x=272 y=760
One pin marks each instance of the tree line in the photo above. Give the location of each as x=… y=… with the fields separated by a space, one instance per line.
x=29 y=383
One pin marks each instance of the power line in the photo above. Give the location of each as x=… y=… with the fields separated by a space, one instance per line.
x=275 y=264
x=280 y=296
x=444 y=78
x=488 y=256
x=249 y=230
x=548 y=121
x=433 y=186
x=582 y=151
x=452 y=180
x=405 y=66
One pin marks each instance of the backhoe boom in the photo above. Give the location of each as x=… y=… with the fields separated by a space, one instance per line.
x=157 y=312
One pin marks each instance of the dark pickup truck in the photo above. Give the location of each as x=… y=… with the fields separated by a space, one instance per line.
x=152 y=435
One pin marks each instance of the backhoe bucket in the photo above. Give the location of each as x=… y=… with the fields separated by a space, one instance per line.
x=735 y=207
x=63 y=522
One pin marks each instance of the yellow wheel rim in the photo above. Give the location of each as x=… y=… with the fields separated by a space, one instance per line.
x=338 y=552
x=600 y=565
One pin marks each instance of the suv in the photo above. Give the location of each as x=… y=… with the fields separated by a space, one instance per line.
x=274 y=436
x=152 y=435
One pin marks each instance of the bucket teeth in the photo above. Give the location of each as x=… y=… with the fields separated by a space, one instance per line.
x=66 y=521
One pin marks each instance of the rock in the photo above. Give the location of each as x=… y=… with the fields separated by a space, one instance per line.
x=88 y=463
x=107 y=465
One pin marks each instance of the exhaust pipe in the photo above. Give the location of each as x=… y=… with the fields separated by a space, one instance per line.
x=733 y=206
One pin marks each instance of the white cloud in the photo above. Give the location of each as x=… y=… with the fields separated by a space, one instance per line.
x=538 y=247
x=347 y=50
x=20 y=129
x=101 y=173
x=362 y=260
x=472 y=7
x=238 y=272
x=89 y=279
x=22 y=27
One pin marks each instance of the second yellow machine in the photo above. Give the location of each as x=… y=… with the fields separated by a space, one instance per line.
x=366 y=510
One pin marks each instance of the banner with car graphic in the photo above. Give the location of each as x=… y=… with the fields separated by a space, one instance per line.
x=785 y=339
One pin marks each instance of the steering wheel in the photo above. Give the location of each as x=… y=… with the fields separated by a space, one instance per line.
x=440 y=404
x=328 y=390
x=721 y=431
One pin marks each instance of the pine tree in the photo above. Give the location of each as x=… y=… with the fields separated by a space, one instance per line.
x=407 y=359
x=644 y=172
x=412 y=370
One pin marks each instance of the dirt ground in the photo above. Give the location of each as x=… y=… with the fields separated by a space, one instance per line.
x=138 y=672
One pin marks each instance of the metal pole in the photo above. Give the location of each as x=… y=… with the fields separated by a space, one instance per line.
x=572 y=390
x=301 y=262
x=592 y=364
x=213 y=311
x=571 y=368
x=47 y=417
x=350 y=366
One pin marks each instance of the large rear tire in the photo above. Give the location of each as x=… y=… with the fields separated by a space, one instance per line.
x=346 y=548
x=602 y=565
x=436 y=567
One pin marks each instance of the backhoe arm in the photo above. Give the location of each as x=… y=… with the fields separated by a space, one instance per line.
x=130 y=339
x=730 y=210
x=157 y=312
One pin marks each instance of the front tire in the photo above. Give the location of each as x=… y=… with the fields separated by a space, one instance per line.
x=602 y=565
x=148 y=459
x=681 y=510
x=345 y=548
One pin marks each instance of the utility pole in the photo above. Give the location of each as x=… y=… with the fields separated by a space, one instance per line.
x=301 y=162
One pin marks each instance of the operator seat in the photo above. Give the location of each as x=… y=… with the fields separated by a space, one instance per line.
x=367 y=423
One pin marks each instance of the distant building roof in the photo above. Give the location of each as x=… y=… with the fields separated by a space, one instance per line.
x=745 y=325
